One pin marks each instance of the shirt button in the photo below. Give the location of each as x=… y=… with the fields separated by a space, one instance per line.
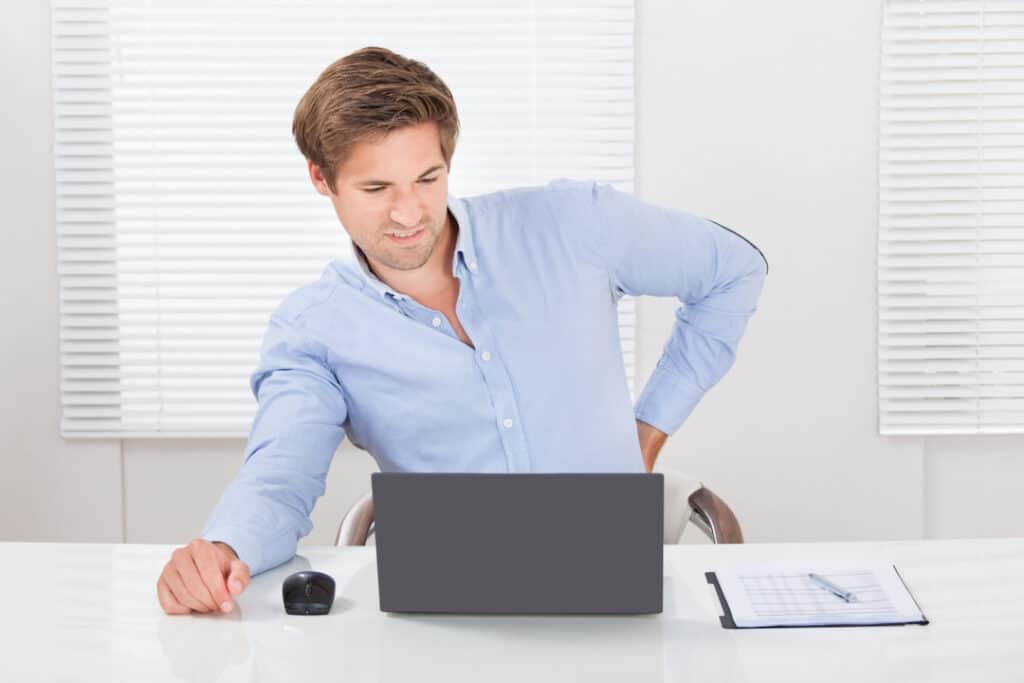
x=486 y=355
x=507 y=423
x=436 y=322
x=472 y=266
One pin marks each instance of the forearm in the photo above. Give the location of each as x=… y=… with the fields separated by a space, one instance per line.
x=715 y=274
x=706 y=335
x=266 y=508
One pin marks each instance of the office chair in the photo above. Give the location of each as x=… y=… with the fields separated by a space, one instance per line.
x=685 y=500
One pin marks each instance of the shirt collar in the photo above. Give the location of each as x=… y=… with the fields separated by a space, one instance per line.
x=464 y=251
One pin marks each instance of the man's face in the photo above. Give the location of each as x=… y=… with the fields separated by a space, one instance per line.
x=391 y=196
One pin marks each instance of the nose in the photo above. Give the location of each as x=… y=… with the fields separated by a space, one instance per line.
x=406 y=209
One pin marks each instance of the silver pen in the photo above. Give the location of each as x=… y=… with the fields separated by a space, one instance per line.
x=835 y=590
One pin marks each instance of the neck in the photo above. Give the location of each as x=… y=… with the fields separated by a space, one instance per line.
x=431 y=279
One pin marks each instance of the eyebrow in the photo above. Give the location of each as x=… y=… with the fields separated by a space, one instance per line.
x=430 y=170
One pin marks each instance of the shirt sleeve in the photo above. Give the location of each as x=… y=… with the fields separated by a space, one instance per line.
x=266 y=509
x=716 y=274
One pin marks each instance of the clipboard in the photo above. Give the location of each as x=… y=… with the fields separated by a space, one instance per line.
x=727 y=620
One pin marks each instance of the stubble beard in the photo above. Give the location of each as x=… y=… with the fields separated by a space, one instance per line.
x=397 y=258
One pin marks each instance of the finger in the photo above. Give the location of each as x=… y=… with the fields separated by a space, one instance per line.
x=189 y=573
x=180 y=593
x=238 y=579
x=210 y=563
x=167 y=601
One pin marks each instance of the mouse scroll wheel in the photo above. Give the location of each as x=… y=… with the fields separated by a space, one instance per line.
x=309 y=589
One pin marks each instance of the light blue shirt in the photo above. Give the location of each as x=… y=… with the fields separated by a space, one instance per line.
x=541 y=271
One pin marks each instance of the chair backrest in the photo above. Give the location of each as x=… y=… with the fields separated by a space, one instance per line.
x=686 y=500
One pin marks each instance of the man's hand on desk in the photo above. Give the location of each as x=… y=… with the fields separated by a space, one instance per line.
x=651 y=441
x=202 y=577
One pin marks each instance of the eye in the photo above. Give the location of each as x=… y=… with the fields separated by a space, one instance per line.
x=372 y=190
x=429 y=180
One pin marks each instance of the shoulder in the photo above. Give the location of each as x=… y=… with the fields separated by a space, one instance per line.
x=534 y=224
x=541 y=209
x=560 y=191
x=304 y=305
x=571 y=188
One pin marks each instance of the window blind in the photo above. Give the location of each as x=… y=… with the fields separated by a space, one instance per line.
x=951 y=242
x=184 y=212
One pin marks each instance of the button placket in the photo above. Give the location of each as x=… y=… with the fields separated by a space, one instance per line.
x=427 y=316
x=497 y=380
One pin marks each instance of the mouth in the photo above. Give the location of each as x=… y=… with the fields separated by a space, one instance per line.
x=406 y=237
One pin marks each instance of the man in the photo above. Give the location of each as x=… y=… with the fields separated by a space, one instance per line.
x=472 y=334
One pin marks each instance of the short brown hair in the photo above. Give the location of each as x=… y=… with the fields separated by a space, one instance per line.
x=365 y=95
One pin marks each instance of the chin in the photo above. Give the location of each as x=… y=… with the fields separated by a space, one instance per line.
x=408 y=259
x=408 y=263
x=404 y=260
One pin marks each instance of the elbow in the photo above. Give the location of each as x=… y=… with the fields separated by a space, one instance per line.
x=763 y=258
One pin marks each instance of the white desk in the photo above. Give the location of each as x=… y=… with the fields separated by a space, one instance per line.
x=90 y=613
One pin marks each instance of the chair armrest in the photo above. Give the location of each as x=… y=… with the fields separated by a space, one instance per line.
x=355 y=526
x=714 y=517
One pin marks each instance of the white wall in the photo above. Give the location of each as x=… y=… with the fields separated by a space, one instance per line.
x=50 y=489
x=762 y=116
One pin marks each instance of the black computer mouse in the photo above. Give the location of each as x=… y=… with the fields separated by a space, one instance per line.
x=308 y=592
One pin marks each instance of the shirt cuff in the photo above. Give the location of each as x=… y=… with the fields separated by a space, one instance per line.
x=245 y=545
x=668 y=399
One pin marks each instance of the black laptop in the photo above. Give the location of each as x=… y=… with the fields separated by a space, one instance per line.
x=519 y=543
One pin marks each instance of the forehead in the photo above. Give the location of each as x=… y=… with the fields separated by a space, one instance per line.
x=405 y=151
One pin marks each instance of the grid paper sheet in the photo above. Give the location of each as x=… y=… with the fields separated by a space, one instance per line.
x=783 y=594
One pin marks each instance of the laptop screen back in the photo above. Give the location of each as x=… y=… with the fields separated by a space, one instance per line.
x=519 y=543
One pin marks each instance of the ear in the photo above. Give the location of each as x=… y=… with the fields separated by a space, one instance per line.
x=319 y=182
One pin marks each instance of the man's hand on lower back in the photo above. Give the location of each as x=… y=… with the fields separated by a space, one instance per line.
x=651 y=441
